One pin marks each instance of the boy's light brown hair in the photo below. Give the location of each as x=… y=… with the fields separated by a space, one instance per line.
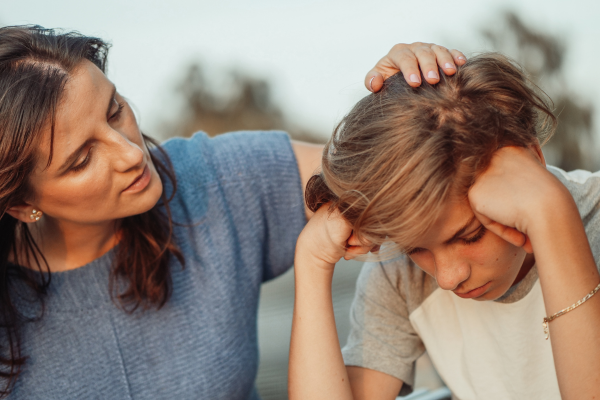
x=402 y=152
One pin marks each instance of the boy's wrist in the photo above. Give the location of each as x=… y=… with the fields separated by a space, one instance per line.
x=315 y=251
x=306 y=261
x=556 y=203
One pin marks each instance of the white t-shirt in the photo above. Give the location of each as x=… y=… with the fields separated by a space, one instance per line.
x=482 y=350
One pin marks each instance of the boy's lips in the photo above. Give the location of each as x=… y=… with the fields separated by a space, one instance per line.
x=475 y=292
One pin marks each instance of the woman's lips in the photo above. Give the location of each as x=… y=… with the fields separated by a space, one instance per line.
x=140 y=182
x=475 y=292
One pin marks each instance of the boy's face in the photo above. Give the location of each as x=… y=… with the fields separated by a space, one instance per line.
x=468 y=259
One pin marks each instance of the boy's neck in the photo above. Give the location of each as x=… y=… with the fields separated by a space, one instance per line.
x=528 y=263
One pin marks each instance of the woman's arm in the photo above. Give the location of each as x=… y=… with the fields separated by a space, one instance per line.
x=517 y=195
x=317 y=369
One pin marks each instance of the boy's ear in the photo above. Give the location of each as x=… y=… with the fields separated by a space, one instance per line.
x=24 y=213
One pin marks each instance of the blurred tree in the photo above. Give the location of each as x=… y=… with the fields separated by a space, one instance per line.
x=247 y=106
x=542 y=55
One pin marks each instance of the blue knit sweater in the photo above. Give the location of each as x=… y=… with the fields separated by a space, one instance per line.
x=240 y=196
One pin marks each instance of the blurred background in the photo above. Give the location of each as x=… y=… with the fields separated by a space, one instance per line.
x=299 y=66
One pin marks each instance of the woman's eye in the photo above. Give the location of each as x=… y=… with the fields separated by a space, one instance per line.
x=83 y=163
x=117 y=114
x=476 y=237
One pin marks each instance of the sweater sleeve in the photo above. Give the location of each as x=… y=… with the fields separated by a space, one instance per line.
x=255 y=179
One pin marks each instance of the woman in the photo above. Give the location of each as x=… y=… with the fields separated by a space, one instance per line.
x=494 y=244
x=126 y=271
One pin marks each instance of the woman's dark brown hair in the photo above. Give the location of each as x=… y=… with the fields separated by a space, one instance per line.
x=400 y=153
x=35 y=64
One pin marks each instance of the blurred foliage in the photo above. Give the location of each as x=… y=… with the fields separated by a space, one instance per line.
x=247 y=104
x=542 y=54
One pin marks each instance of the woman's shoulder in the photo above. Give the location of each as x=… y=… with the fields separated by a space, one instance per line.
x=201 y=163
x=227 y=155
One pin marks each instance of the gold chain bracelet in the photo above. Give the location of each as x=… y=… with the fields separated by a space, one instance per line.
x=566 y=310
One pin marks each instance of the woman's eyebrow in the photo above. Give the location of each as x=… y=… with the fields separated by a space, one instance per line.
x=461 y=231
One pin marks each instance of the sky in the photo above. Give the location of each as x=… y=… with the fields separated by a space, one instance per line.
x=315 y=53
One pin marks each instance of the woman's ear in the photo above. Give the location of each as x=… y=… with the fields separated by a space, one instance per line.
x=24 y=213
x=537 y=150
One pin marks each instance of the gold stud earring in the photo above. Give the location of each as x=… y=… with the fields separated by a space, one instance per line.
x=35 y=215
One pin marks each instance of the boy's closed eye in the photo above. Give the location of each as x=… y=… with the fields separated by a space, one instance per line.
x=472 y=238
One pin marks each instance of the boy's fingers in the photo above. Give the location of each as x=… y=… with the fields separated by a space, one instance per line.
x=353 y=240
x=511 y=235
x=354 y=251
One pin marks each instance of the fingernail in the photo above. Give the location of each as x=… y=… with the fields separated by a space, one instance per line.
x=371 y=84
x=432 y=75
x=414 y=78
x=449 y=66
x=462 y=58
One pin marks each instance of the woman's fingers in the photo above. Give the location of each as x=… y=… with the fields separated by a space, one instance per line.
x=411 y=60
x=404 y=58
x=374 y=81
x=400 y=58
x=444 y=59
x=459 y=57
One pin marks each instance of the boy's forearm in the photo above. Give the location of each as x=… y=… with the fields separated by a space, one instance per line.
x=568 y=272
x=316 y=369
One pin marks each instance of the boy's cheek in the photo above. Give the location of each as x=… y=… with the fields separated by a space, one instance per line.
x=425 y=261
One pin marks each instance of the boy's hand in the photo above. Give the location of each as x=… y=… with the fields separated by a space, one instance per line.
x=408 y=58
x=514 y=192
x=328 y=237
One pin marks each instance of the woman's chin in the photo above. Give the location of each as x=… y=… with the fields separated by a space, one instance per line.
x=146 y=199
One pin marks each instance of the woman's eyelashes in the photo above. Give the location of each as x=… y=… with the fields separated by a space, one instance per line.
x=117 y=114
x=83 y=163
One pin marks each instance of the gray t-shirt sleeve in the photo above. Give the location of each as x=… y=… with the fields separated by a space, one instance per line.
x=382 y=337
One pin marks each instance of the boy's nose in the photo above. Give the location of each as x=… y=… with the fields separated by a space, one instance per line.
x=450 y=273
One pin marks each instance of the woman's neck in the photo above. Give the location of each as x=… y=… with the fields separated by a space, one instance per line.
x=67 y=245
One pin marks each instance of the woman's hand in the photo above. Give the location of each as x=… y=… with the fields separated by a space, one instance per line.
x=408 y=58
x=514 y=193
x=327 y=238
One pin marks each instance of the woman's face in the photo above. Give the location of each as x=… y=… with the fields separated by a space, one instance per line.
x=101 y=169
x=466 y=258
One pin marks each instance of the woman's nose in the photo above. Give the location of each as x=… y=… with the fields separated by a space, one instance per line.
x=450 y=272
x=127 y=154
